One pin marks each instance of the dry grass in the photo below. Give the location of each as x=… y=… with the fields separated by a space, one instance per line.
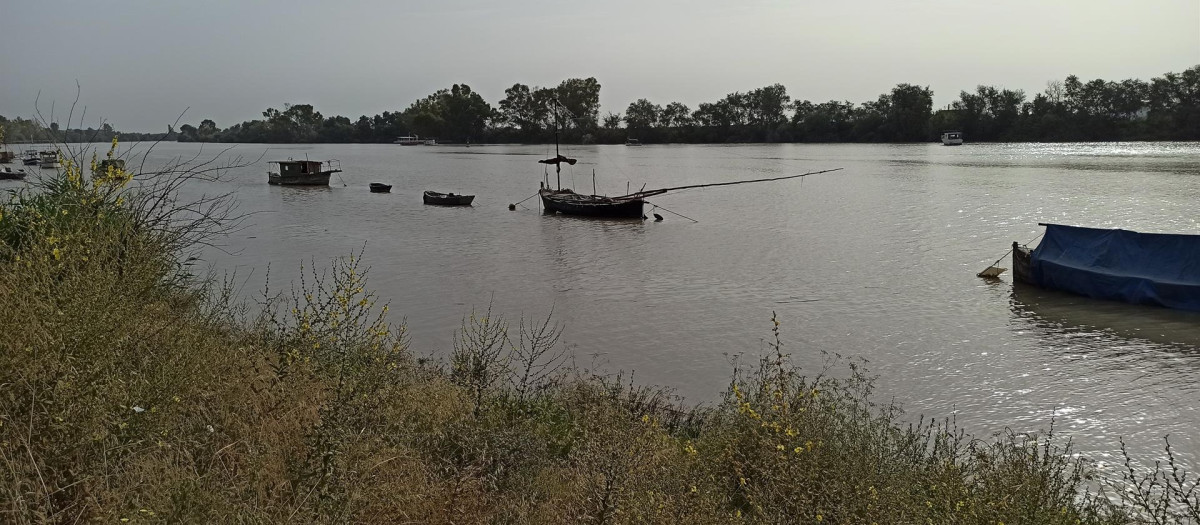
x=130 y=391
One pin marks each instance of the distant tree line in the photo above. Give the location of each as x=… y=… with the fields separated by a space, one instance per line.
x=22 y=131
x=1165 y=108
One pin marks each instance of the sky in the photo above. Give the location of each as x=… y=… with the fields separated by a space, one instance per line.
x=140 y=64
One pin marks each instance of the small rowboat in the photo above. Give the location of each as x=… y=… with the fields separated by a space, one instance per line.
x=9 y=174
x=447 y=199
x=379 y=187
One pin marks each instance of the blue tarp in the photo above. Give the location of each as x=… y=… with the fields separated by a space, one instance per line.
x=1142 y=268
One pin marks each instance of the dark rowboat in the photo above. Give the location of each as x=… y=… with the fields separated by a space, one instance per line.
x=379 y=187
x=9 y=174
x=447 y=199
x=1141 y=268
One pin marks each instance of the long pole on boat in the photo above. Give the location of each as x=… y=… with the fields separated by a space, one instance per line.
x=660 y=191
x=557 y=165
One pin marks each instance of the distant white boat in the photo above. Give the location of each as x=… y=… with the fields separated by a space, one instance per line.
x=408 y=140
x=431 y=142
x=952 y=138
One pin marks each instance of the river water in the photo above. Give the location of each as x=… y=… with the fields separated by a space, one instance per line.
x=875 y=261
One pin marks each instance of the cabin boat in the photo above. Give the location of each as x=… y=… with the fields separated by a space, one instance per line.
x=303 y=172
x=379 y=187
x=48 y=159
x=430 y=142
x=30 y=157
x=952 y=138
x=1121 y=265
x=447 y=199
x=633 y=142
x=408 y=140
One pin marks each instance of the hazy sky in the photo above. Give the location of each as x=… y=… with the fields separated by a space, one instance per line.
x=142 y=62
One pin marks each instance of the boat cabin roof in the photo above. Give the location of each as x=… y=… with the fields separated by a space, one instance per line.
x=290 y=161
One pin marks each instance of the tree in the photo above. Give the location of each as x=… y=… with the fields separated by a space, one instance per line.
x=675 y=115
x=207 y=131
x=580 y=97
x=764 y=107
x=909 y=112
x=612 y=120
x=527 y=109
x=464 y=112
x=642 y=115
x=337 y=129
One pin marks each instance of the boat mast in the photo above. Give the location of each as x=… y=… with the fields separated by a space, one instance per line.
x=557 y=165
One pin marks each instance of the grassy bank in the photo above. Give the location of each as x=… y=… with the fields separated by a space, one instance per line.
x=131 y=391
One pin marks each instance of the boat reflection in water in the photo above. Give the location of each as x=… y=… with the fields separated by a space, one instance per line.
x=1062 y=312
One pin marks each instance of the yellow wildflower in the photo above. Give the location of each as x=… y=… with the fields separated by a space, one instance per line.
x=57 y=254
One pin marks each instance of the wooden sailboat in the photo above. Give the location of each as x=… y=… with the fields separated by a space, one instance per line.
x=568 y=202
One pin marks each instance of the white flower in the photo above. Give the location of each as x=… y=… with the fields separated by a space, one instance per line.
x=138 y=409
x=210 y=428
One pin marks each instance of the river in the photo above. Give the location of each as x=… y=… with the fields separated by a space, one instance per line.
x=875 y=261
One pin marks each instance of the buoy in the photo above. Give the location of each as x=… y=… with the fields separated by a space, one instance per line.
x=512 y=206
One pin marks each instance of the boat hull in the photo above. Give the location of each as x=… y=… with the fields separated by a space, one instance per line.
x=571 y=203
x=307 y=179
x=1021 y=260
x=380 y=188
x=444 y=199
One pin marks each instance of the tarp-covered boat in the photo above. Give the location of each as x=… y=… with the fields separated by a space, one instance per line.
x=1142 y=268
